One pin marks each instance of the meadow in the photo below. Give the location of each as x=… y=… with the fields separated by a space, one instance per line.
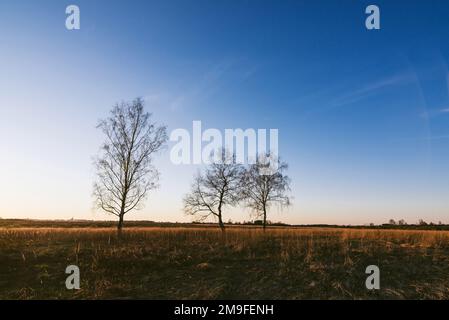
x=198 y=262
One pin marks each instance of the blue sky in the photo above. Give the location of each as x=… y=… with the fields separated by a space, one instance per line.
x=362 y=115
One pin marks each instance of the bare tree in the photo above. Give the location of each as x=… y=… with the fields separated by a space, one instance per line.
x=217 y=187
x=125 y=172
x=263 y=187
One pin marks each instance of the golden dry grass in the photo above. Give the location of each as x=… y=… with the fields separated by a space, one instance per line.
x=201 y=263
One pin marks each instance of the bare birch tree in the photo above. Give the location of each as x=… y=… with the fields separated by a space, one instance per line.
x=263 y=187
x=214 y=189
x=125 y=172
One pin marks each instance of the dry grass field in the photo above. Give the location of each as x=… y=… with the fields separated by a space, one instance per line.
x=200 y=263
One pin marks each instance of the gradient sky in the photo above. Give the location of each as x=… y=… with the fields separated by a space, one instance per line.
x=363 y=116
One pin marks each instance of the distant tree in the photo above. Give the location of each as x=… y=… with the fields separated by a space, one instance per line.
x=422 y=222
x=264 y=185
x=217 y=187
x=402 y=222
x=392 y=222
x=125 y=172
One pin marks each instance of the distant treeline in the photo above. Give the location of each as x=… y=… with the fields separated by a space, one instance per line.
x=35 y=223
x=382 y=226
x=32 y=223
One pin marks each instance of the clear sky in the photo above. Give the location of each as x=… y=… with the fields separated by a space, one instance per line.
x=363 y=116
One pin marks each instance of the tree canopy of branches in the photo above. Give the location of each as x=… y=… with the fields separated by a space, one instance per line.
x=217 y=187
x=264 y=185
x=125 y=172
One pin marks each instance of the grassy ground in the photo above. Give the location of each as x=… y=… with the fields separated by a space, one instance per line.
x=199 y=263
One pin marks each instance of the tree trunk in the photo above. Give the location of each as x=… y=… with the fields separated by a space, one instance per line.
x=122 y=213
x=264 y=218
x=220 y=223
x=120 y=225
